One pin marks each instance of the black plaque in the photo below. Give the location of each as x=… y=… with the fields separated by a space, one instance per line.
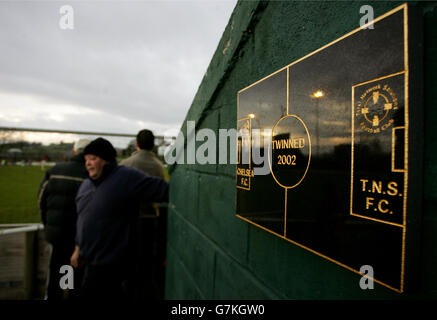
x=339 y=152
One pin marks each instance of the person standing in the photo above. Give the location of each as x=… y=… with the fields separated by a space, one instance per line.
x=56 y=202
x=108 y=206
x=151 y=224
x=144 y=158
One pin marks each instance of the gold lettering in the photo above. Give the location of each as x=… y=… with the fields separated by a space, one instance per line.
x=364 y=181
x=388 y=124
x=392 y=188
x=368 y=202
x=245 y=172
x=296 y=143
x=376 y=185
x=301 y=143
x=370 y=90
x=380 y=206
x=244 y=182
x=287 y=159
x=392 y=94
x=369 y=130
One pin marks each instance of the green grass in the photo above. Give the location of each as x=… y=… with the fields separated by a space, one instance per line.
x=18 y=194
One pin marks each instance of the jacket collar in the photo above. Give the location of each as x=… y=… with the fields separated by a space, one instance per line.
x=143 y=151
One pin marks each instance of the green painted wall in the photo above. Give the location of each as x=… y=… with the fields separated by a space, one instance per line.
x=211 y=254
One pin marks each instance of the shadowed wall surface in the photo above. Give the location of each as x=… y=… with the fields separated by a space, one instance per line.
x=211 y=254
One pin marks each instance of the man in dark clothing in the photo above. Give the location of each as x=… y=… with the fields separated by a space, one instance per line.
x=56 y=201
x=108 y=205
x=152 y=223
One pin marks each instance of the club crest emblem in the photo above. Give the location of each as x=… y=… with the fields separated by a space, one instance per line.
x=376 y=107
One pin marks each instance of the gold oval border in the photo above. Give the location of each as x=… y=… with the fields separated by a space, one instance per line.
x=309 y=155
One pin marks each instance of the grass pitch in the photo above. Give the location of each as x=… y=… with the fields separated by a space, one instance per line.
x=19 y=194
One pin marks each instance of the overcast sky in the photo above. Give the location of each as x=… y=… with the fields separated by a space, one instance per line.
x=125 y=66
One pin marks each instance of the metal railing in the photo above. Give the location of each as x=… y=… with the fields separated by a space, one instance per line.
x=24 y=260
x=20 y=227
x=91 y=133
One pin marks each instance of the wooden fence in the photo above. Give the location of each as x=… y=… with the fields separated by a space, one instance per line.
x=24 y=261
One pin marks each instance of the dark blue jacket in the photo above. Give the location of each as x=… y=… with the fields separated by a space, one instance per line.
x=107 y=213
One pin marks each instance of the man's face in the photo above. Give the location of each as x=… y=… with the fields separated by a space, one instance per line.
x=94 y=165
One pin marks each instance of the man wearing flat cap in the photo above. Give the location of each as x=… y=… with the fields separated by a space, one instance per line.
x=56 y=201
x=108 y=205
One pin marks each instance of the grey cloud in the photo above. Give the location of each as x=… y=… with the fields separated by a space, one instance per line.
x=132 y=60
